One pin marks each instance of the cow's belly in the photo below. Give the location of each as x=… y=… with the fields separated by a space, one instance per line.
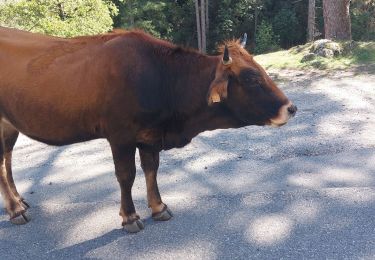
x=54 y=124
x=65 y=139
x=56 y=132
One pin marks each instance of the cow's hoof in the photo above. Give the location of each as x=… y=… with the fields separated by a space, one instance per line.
x=25 y=204
x=21 y=219
x=135 y=226
x=164 y=215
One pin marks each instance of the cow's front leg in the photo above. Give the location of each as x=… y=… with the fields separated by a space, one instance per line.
x=150 y=165
x=124 y=159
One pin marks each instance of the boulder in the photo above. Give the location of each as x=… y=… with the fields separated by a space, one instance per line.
x=326 y=48
x=326 y=53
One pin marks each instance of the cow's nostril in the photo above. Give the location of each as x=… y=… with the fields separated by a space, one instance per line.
x=292 y=109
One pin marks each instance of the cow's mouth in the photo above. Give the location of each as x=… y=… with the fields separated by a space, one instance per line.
x=285 y=113
x=276 y=125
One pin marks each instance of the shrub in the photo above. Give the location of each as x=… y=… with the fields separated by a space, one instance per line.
x=266 y=40
x=66 y=18
x=284 y=23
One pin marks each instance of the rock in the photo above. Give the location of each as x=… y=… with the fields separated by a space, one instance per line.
x=326 y=48
x=327 y=53
x=308 y=57
x=319 y=44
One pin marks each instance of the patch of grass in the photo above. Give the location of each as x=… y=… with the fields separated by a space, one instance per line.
x=354 y=53
x=364 y=53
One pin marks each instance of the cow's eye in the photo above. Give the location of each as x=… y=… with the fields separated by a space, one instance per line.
x=249 y=77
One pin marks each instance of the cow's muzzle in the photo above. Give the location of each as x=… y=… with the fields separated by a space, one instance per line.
x=285 y=113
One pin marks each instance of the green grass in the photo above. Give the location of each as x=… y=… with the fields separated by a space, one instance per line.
x=358 y=53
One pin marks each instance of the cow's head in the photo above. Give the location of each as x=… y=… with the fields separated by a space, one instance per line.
x=244 y=87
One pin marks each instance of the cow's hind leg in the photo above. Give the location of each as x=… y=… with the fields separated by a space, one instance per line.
x=10 y=137
x=14 y=203
x=124 y=159
x=150 y=165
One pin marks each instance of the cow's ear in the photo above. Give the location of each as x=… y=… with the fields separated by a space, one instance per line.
x=219 y=87
x=218 y=91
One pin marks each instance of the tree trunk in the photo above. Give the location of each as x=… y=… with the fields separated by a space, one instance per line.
x=60 y=7
x=311 y=21
x=131 y=13
x=207 y=19
x=201 y=13
x=256 y=14
x=203 y=25
x=197 y=14
x=337 y=19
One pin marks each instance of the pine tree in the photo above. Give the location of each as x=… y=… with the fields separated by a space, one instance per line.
x=311 y=21
x=337 y=19
x=201 y=12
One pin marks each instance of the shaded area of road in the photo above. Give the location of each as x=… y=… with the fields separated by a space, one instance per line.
x=305 y=190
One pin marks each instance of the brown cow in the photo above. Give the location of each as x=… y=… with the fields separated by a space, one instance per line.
x=132 y=89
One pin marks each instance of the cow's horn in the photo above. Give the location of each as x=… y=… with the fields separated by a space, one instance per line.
x=226 y=58
x=244 y=40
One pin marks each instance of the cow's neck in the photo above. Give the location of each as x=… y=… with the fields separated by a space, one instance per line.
x=190 y=82
x=188 y=77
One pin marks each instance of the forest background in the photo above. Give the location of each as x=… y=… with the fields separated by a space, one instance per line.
x=271 y=24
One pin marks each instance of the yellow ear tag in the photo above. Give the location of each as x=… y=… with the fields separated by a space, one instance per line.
x=215 y=98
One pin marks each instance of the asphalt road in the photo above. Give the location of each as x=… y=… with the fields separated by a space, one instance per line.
x=303 y=191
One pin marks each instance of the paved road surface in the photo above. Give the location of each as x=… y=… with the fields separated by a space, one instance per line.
x=306 y=190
